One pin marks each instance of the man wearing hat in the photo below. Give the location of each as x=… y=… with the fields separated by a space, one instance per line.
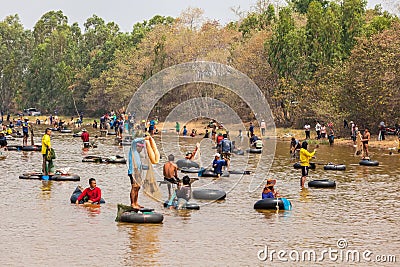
x=218 y=163
x=85 y=138
x=25 y=132
x=135 y=168
x=269 y=191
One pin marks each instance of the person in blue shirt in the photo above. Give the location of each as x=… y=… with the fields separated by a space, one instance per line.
x=269 y=191
x=135 y=167
x=218 y=163
x=251 y=129
x=226 y=149
x=184 y=131
x=25 y=132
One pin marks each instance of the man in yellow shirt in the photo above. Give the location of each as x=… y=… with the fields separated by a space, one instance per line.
x=305 y=157
x=46 y=145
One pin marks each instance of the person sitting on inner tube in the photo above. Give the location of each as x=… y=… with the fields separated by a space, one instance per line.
x=183 y=193
x=91 y=194
x=218 y=164
x=253 y=139
x=305 y=157
x=190 y=155
x=269 y=191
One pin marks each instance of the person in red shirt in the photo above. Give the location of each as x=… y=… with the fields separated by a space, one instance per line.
x=92 y=193
x=85 y=138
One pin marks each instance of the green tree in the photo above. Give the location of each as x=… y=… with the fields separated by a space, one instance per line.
x=15 y=48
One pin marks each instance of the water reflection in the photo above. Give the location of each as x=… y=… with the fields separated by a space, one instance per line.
x=143 y=244
x=46 y=189
x=304 y=195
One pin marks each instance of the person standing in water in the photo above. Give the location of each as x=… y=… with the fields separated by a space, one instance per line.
x=366 y=137
x=135 y=168
x=46 y=146
x=305 y=157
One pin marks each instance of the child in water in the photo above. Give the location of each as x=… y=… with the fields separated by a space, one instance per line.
x=269 y=190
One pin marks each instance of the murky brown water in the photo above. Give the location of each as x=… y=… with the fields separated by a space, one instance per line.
x=39 y=227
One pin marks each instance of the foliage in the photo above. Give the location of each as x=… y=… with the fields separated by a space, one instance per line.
x=312 y=60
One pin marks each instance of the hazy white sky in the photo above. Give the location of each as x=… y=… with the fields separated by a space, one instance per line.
x=125 y=12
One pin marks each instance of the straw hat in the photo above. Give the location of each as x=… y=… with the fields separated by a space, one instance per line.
x=270 y=182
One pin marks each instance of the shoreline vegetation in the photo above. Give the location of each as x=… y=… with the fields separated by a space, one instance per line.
x=283 y=134
x=311 y=60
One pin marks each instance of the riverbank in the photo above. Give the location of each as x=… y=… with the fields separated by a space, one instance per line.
x=390 y=143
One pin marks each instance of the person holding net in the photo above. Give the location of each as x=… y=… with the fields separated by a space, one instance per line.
x=134 y=169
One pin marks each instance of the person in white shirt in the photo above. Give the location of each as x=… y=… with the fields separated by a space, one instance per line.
x=318 y=130
x=263 y=127
x=307 y=128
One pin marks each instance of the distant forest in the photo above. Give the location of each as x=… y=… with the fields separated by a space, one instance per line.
x=312 y=59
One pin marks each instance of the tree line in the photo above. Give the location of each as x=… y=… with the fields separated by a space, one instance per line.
x=313 y=59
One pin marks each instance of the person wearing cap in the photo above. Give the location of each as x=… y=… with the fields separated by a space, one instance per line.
x=269 y=191
x=25 y=132
x=170 y=172
x=134 y=169
x=263 y=127
x=91 y=195
x=85 y=138
x=218 y=163
x=305 y=157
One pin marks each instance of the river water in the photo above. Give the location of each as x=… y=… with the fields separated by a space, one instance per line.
x=39 y=226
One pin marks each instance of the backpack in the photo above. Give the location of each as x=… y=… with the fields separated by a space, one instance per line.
x=50 y=154
x=226 y=146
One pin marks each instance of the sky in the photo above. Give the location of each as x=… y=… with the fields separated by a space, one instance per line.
x=128 y=12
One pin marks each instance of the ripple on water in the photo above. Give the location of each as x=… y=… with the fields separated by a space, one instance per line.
x=38 y=219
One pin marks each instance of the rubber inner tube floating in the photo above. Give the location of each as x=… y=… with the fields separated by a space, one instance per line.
x=324 y=183
x=367 y=162
x=55 y=177
x=189 y=205
x=273 y=204
x=331 y=166
x=31 y=148
x=209 y=194
x=185 y=163
x=255 y=150
x=76 y=194
x=190 y=170
x=298 y=166
x=206 y=173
